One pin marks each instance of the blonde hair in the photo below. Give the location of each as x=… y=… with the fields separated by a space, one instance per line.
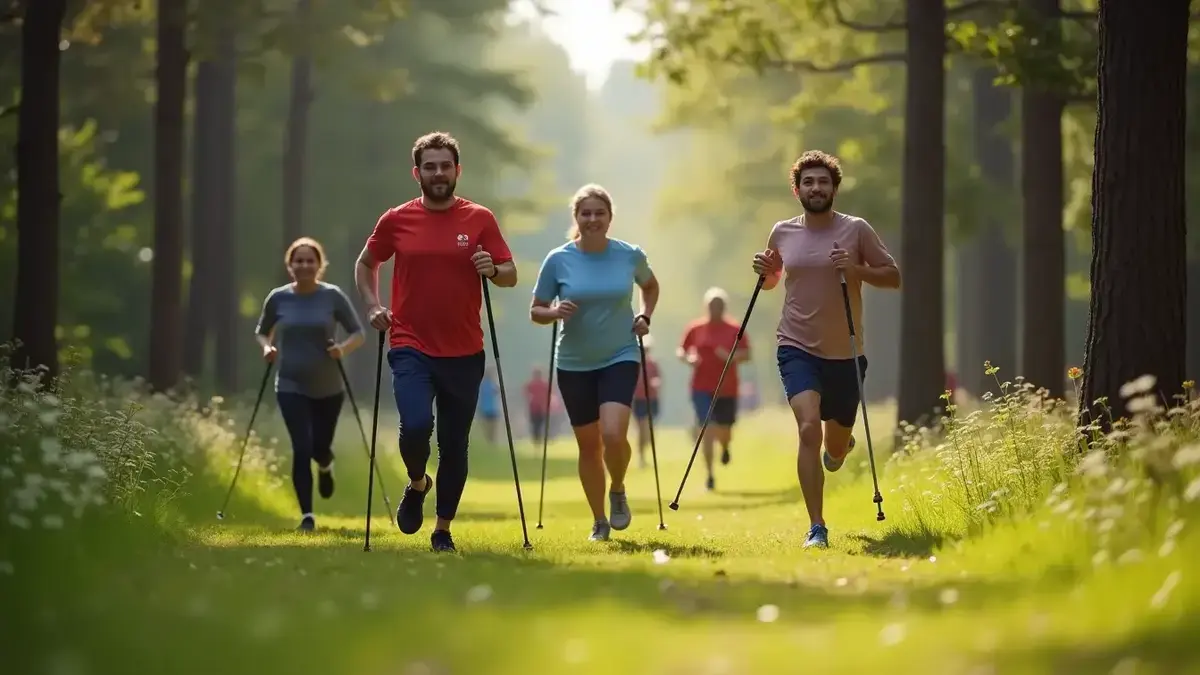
x=318 y=250
x=586 y=192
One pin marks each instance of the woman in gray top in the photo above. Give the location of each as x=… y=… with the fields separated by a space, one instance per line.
x=296 y=330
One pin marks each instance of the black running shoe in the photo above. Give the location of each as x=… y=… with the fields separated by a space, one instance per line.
x=410 y=514
x=442 y=542
x=307 y=524
x=325 y=482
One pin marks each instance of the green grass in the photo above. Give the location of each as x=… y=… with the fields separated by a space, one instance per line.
x=929 y=590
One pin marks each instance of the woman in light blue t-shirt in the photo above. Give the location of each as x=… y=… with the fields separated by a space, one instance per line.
x=587 y=284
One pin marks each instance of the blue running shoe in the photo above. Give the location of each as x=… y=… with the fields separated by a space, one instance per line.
x=818 y=535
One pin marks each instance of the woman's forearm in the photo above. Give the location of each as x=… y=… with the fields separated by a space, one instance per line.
x=543 y=315
x=352 y=342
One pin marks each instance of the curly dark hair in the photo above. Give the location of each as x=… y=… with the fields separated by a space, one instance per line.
x=813 y=159
x=437 y=140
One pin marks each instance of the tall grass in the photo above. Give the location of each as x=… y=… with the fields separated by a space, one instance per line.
x=1023 y=455
x=82 y=443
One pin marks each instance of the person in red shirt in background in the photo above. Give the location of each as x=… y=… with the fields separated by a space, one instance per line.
x=537 y=392
x=646 y=409
x=442 y=245
x=705 y=347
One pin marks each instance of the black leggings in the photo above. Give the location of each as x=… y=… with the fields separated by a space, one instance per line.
x=311 y=423
x=584 y=391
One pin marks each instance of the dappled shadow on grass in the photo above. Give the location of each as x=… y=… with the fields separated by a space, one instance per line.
x=899 y=544
x=673 y=550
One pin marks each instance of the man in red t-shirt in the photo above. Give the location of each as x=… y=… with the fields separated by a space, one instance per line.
x=442 y=244
x=537 y=401
x=705 y=347
x=645 y=409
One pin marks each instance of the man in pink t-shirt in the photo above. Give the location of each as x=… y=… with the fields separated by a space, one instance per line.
x=815 y=361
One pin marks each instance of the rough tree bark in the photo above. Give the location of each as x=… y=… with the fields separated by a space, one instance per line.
x=204 y=256
x=1137 y=323
x=224 y=287
x=35 y=313
x=1043 y=243
x=295 y=142
x=922 y=343
x=166 y=314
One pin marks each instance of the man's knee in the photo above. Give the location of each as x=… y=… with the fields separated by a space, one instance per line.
x=810 y=434
x=415 y=425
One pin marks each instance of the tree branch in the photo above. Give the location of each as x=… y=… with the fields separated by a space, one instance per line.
x=885 y=27
x=843 y=66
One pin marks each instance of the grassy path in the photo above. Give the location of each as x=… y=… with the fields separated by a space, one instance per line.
x=735 y=594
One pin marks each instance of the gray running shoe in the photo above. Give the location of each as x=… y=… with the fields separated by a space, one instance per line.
x=600 y=531
x=618 y=507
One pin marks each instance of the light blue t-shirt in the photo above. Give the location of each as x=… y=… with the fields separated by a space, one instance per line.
x=600 y=332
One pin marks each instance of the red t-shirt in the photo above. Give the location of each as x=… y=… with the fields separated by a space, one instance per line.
x=639 y=394
x=706 y=337
x=536 y=393
x=436 y=292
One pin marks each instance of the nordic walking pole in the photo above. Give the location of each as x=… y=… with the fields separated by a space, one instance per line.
x=546 y=422
x=374 y=436
x=878 y=498
x=650 y=426
x=262 y=388
x=512 y=450
x=728 y=361
x=366 y=444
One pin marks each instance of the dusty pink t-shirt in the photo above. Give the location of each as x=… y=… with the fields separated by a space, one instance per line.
x=814 y=313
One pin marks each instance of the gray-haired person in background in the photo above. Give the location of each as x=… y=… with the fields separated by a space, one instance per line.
x=296 y=331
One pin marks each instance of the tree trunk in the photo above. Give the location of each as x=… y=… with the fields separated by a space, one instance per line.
x=922 y=339
x=166 y=348
x=1137 y=324
x=205 y=257
x=225 y=305
x=295 y=142
x=35 y=314
x=1193 y=319
x=1043 y=243
x=987 y=314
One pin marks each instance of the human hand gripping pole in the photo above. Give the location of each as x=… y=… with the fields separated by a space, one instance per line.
x=262 y=388
x=546 y=421
x=674 y=506
x=512 y=450
x=862 y=398
x=374 y=437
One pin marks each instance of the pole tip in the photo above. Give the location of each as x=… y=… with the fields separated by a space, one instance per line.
x=674 y=506
x=880 y=517
x=662 y=526
x=528 y=546
x=539 y=526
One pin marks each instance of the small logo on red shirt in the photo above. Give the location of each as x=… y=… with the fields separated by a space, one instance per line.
x=462 y=241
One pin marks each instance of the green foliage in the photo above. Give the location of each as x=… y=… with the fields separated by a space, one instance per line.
x=100 y=253
x=72 y=447
x=1029 y=50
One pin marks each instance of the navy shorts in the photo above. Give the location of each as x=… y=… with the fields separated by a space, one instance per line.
x=641 y=408
x=834 y=379
x=724 y=411
x=584 y=391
